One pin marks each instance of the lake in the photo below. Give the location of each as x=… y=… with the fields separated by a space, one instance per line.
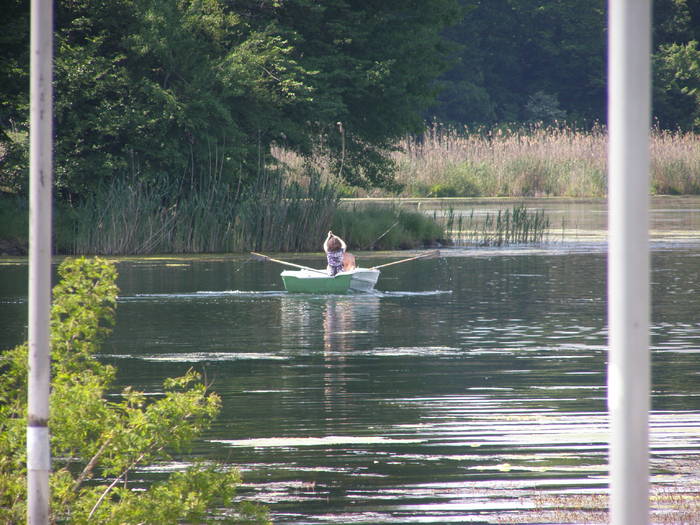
x=467 y=389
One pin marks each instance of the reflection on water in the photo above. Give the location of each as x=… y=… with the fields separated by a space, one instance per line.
x=580 y=220
x=460 y=392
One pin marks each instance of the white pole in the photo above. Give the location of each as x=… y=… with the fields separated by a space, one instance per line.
x=40 y=180
x=629 y=121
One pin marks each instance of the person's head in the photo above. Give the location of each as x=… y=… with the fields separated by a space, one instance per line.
x=334 y=244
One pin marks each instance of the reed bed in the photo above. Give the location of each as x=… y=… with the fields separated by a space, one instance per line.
x=280 y=216
x=518 y=225
x=530 y=162
x=381 y=227
x=133 y=217
x=675 y=163
x=272 y=215
x=524 y=162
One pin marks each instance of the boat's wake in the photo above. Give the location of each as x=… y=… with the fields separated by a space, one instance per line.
x=255 y=294
x=414 y=294
x=202 y=295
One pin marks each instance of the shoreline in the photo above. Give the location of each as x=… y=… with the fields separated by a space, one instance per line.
x=671 y=205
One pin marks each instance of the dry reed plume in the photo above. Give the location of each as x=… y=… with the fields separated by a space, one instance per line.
x=527 y=162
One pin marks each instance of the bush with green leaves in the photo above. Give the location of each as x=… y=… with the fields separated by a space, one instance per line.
x=96 y=441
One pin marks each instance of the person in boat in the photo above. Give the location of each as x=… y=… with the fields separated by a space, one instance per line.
x=338 y=259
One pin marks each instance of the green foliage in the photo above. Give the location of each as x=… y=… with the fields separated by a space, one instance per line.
x=509 y=53
x=543 y=108
x=152 y=88
x=518 y=225
x=96 y=443
x=14 y=219
x=385 y=228
x=677 y=86
x=132 y=217
x=467 y=179
x=511 y=50
x=14 y=159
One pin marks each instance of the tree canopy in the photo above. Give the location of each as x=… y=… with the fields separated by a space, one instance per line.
x=544 y=60
x=168 y=88
x=178 y=89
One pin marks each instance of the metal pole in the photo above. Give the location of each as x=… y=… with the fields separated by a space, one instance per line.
x=629 y=121
x=40 y=179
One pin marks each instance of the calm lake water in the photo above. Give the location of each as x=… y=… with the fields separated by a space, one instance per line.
x=462 y=391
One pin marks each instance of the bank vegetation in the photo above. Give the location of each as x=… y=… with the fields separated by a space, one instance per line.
x=523 y=161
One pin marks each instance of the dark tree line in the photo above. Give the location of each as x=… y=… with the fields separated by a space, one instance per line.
x=195 y=89
x=534 y=60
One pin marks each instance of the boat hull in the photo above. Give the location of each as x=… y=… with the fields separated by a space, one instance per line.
x=304 y=281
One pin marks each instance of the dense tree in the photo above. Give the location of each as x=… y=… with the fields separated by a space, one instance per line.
x=161 y=88
x=165 y=89
x=516 y=53
x=677 y=64
x=523 y=60
x=677 y=86
x=182 y=89
x=374 y=63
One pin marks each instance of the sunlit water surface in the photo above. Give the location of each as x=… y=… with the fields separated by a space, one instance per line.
x=461 y=391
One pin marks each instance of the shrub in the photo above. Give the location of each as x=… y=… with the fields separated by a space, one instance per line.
x=97 y=443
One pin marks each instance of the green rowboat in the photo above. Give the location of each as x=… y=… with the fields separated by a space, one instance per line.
x=314 y=281
x=311 y=280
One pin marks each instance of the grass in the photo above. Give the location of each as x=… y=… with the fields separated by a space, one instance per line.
x=374 y=227
x=518 y=225
x=132 y=217
x=525 y=162
x=504 y=163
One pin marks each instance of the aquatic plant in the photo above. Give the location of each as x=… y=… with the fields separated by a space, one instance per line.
x=137 y=217
x=518 y=225
x=381 y=227
x=530 y=161
x=536 y=161
x=524 y=161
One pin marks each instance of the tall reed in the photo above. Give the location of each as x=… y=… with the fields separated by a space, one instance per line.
x=135 y=217
x=526 y=162
x=537 y=161
x=382 y=227
x=280 y=216
x=505 y=227
x=534 y=162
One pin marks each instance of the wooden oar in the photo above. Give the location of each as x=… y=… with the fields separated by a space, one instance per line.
x=433 y=253
x=266 y=258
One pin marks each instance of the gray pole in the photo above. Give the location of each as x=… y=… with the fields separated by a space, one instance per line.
x=629 y=121
x=40 y=180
